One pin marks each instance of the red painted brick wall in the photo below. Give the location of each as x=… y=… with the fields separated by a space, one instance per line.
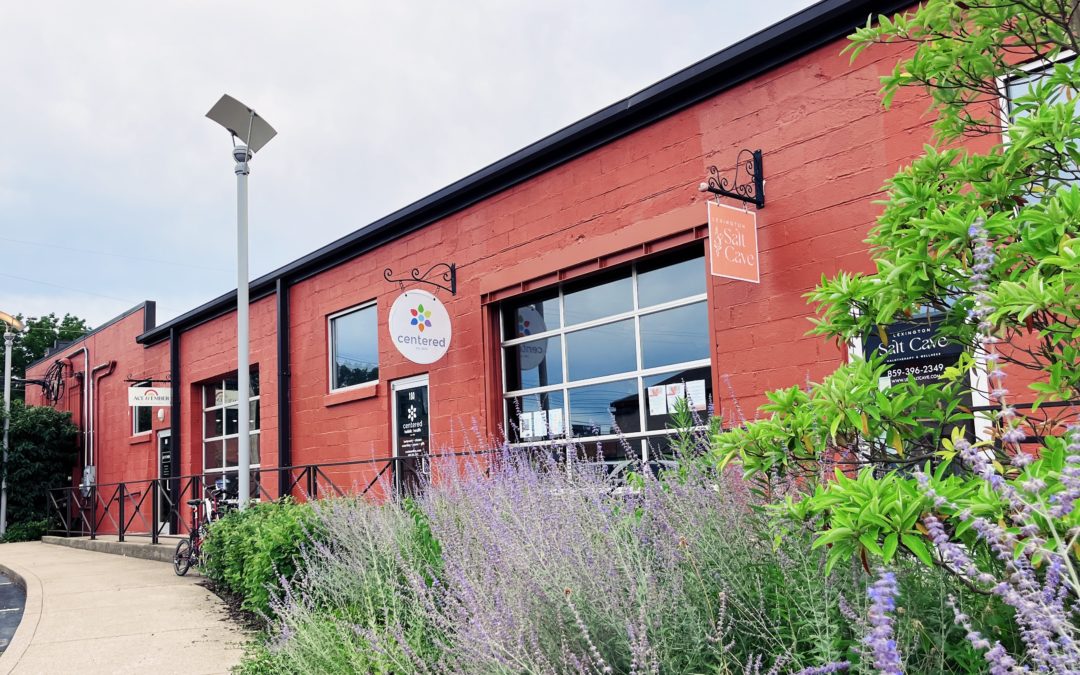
x=828 y=149
x=120 y=455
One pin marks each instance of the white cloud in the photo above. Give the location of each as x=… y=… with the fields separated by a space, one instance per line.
x=105 y=146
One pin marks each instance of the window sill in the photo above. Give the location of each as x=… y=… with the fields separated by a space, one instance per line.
x=369 y=390
x=144 y=437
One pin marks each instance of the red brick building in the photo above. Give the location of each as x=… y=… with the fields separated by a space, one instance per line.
x=596 y=236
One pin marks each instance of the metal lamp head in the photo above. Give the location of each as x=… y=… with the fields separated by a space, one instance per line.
x=11 y=323
x=242 y=122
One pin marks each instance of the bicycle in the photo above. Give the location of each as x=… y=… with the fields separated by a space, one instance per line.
x=189 y=551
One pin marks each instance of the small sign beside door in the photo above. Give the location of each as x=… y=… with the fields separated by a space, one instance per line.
x=733 y=246
x=149 y=396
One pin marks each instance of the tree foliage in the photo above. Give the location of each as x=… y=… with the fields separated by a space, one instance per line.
x=984 y=237
x=40 y=335
x=43 y=449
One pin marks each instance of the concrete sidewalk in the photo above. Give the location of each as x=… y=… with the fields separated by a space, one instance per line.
x=92 y=612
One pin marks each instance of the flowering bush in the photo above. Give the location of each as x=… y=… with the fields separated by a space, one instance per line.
x=525 y=565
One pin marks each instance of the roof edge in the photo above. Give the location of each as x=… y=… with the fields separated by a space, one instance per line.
x=148 y=325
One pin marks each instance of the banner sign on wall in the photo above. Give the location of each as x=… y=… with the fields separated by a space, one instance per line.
x=733 y=243
x=149 y=396
x=419 y=326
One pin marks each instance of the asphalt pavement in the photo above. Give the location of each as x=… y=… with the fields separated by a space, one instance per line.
x=12 y=603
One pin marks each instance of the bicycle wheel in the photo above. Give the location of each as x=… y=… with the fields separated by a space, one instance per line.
x=182 y=557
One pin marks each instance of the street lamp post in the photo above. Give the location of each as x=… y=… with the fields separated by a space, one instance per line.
x=10 y=323
x=244 y=124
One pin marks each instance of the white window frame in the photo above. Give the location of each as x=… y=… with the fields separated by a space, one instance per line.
x=225 y=424
x=638 y=374
x=135 y=431
x=332 y=357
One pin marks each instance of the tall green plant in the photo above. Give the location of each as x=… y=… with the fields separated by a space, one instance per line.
x=43 y=449
x=988 y=242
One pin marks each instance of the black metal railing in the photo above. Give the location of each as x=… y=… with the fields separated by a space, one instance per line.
x=157 y=507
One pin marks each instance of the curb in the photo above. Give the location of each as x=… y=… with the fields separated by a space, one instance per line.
x=143 y=550
x=24 y=634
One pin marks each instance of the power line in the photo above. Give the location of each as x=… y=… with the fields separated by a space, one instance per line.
x=68 y=288
x=112 y=255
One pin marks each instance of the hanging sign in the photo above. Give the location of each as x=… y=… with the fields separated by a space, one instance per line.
x=733 y=243
x=420 y=326
x=149 y=396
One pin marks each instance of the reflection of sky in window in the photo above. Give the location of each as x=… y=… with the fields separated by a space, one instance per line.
x=595 y=302
x=603 y=350
x=675 y=336
x=673 y=282
x=355 y=342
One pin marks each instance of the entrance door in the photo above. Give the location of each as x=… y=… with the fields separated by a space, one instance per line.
x=412 y=434
x=164 y=444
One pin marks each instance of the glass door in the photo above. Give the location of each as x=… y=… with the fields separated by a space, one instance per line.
x=412 y=434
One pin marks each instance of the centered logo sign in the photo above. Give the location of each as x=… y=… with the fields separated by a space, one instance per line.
x=420 y=326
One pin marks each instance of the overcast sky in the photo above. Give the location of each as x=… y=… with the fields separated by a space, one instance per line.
x=114 y=188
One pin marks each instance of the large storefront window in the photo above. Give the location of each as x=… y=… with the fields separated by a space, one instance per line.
x=603 y=361
x=221 y=423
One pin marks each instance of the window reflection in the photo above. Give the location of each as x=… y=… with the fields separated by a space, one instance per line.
x=671 y=278
x=356 y=348
x=603 y=350
x=532 y=316
x=598 y=299
x=675 y=335
x=603 y=409
x=537 y=363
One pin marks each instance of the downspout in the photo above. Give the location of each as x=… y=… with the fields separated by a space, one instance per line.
x=284 y=393
x=85 y=400
x=174 y=406
x=111 y=365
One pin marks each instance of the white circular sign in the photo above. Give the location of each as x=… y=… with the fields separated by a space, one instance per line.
x=420 y=326
x=530 y=322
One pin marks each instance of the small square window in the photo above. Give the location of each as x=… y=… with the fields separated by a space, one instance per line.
x=354 y=347
x=142 y=416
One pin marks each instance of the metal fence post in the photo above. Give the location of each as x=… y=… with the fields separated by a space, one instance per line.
x=93 y=512
x=155 y=489
x=122 y=523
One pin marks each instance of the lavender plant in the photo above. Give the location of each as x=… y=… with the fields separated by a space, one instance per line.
x=520 y=564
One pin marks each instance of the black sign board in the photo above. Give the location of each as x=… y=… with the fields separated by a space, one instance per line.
x=916 y=349
x=411 y=436
x=165 y=466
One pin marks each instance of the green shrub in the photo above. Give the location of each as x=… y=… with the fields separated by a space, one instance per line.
x=29 y=530
x=249 y=552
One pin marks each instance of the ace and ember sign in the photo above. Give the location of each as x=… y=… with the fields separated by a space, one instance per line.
x=733 y=247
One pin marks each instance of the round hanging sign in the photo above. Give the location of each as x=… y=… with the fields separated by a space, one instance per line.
x=420 y=326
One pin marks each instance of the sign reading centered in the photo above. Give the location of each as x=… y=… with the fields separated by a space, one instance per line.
x=420 y=326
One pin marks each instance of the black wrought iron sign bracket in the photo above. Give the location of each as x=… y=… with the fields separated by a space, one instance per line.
x=751 y=189
x=448 y=277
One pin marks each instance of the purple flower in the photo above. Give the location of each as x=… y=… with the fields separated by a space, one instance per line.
x=881 y=640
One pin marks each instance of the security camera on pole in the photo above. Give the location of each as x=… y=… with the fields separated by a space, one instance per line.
x=244 y=124
x=11 y=326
